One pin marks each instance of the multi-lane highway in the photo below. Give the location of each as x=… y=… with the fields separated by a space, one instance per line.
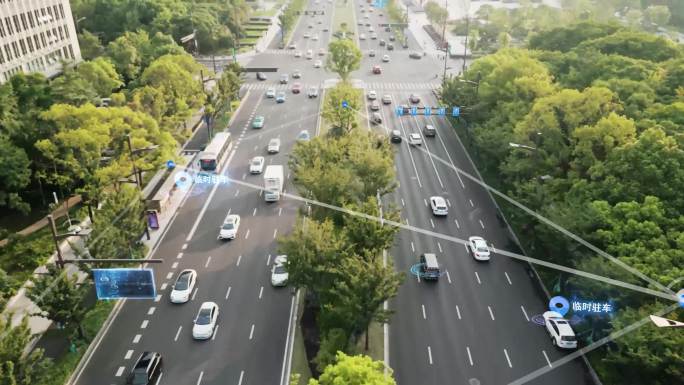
x=473 y=324
x=249 y=344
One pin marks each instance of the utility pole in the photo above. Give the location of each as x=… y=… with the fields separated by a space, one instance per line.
x=138 y=180
x=444 y=42
x=465 y=45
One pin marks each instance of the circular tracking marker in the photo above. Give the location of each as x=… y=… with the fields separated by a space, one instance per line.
x=473 y=381
x=560 y=305
x=537 y=319
x=183 y=180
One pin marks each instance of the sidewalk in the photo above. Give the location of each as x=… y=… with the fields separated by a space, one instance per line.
x=57 y=213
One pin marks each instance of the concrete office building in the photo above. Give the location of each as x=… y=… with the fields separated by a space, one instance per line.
x=36 y=36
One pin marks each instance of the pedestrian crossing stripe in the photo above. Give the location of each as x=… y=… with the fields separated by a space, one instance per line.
x=368 y=86
x=291 y=52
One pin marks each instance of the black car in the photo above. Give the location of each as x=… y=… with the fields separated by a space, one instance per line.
x=146 y=369
x=382 y=42
x=388 y=29
x=261 y=76
x=415 y=55
x=390 y=47
x=395 y=137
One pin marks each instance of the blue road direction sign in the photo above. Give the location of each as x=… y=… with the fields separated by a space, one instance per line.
x=345 y=104
x=170 y=164
x=455 y=111
x=379 y=3
x=124 y=283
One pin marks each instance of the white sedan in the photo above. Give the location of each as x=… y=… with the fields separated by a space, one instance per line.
x=439 y=206
x=372 y=95
x=229 y=228
x=205 y=322
x=559 y=330
x=385 y=58
x=478 y=246
x=185 y=283
x=279 y=271
x=273 y=146
x=414 y=139
x=256 y=165
x=318 y=64
x=271 y=92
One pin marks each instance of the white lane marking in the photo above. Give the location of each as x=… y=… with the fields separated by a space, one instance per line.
x=261 y=292
x=448 y=276
x=178 y=333
x=200 y=378
x=213 y=336
x=481 y=224
x=137 y=338
x=478 y=278
x=238 y=261
x=430 y=355
x=413 y=248
x=402 y=202
x=244 y=175
x=194 y=293
x=470 y=357
x=251 y=332
x=407 y=222
x=185 y=245
x=425 y=200
x=120 y=371
x=275 y=233
x=143 y=325
x=268 y=260
x=471 y=203
x=174 y=265
x=242 y=374
x=448 y=202
x=128 y=355
x=151 y=310
x=524 y=313
x=157 y=298
x=254 y=212
x=439 y=245
x=508 y=358
x=547 y=359
x=169 y=275
x=207 y=263
x=432 y=223
x=423 y=307
x=159 y=378
x=508 y=278
x=466 y=247
x=491 y=313
x=228 y=292
x=457 y=226
x=289 y=345
x=179 y=256
x=237 y=192
x=229 y=210
x=163 y=286
x=280 y=211
x=458 y=312
x=247 y=234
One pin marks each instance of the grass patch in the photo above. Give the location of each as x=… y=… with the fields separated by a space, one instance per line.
x=344 y=13
x=299 y=362
x=376 y=341
x=65 y=365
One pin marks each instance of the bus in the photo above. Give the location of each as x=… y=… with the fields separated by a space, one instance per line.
x=212 y=156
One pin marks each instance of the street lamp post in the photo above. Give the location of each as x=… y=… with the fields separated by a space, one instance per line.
x=56 y=237
x=138 y=176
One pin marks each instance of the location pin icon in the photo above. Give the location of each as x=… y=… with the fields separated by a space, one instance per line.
x=680 y=295
x=560 y=305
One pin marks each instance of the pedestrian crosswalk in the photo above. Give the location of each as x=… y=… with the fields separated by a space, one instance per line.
x=291 y=52
x=410 y=86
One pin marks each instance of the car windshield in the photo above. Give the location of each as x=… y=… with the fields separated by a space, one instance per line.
x=182 y=282
x=228 y=226
x=568 y=338
x=139 y=377
x=279 y=269
x=204 y=317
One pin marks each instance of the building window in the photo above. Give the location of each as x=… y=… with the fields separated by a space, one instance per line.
x=35 y=40
x=38 y=20
x=66 y=31
x=61 y=11
x=2 y=58
x=8 y=53
x=16 y=23
x=15 y=49
x=30 y=19
x=42 y=39
x=30 y=43
x=9 y=26
x=23 y=21
x=2 y=30
x=23 y=46
x=71 y=52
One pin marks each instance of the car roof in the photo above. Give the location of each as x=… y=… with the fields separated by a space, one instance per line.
x=208 y=305
x=231 y=218
x=430 y=259
x=438 y=199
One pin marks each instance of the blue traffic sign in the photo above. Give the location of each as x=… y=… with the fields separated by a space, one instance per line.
x=170 y=164
x=428 y=111
x=124 y=283
x=414 y=111
x=455 y=111
x=399 y=110
x=345 y=104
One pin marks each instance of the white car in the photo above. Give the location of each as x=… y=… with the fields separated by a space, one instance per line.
x=297 y=74
x=279 y=271
x=205 y=322
x=479 y=248
x=321 y=52
x=230 y=227
x=362 y=37
x=439 y=206
x=415 y=139
x=298 y=54
x=185 y=283
x=314 y=37
x=559 y=330
x=372 y=95
x=270 y=92
x=307 y=35
x=273 y=146
x=318 y=64
x=256 y=165
x=385 y=58
x=309 y=54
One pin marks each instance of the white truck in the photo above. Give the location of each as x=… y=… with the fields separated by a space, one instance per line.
x=273 y=182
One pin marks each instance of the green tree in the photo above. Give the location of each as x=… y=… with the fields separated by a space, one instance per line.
x=90 y=45
x=101 y=75
x=15 y=366
x=72 y=88
x=59 y=298
x=15 y=175
x=367 y=237
x=342 y=119
x=354 y=370
x=229 y=85
x=344 y=57
x=436 y=14
x=658 y=15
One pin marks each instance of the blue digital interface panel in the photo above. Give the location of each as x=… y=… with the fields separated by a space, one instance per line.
x=124 y=283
